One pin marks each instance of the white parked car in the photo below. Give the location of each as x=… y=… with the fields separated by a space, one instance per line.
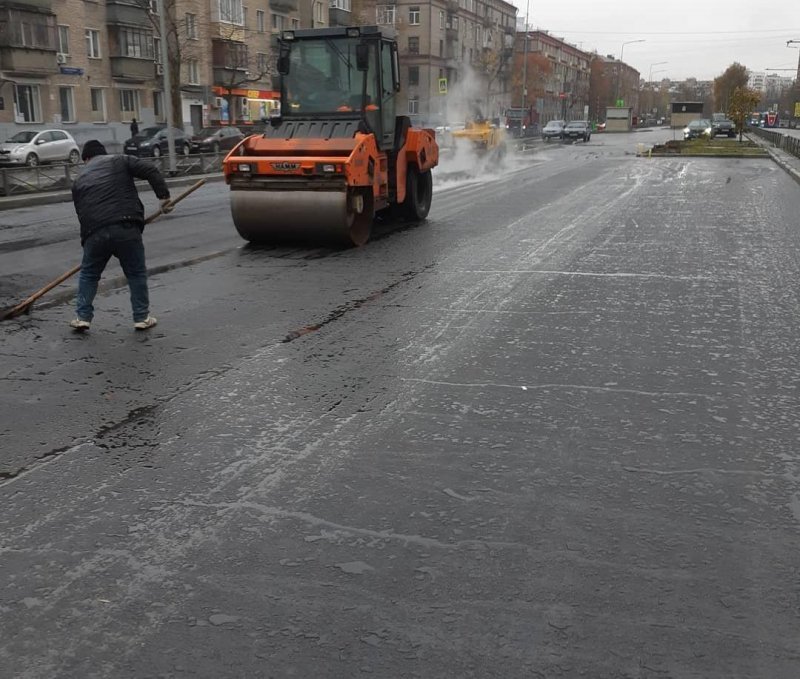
x=30 y=147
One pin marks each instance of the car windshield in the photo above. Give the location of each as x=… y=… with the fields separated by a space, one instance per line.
x=553 y=123
x=208 y=132
x=23 y=137
x=323 y=77
x=576 y=123
x=148 y=132
x=514 y=113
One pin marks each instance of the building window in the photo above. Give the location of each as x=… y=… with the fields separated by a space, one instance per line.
x=413 y=75
x=98 y=101
x=344 y=5
x=67 y=103
x=129 y=104
x=385 y=14
x=413 y=105
x=157 y=50
x=441 y=20
x=262 y=64
x=134 y=42
x=191 y=26
x=63 y=39
x=92 y=43
x=261 y=21
x=158 y=104
x=413 y=45
x=192 y=71
x=413 y=16
x=29 y=29
x=231 y=12
x=319 y=13
x=441 y=48
x=278 y=22
x=26 y=103
x=295 y=24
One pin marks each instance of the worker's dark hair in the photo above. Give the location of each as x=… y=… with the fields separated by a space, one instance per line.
x=92 y=148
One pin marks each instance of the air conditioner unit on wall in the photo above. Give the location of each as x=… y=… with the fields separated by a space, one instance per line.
x=159 y=69
x=218 y=102
x=61 y=58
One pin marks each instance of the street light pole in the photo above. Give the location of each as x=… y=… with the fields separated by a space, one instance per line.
x=525 y=58
x=619 y=67
x=650 y=77
x=162 y=27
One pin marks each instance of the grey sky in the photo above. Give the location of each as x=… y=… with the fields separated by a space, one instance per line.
x=700 y=42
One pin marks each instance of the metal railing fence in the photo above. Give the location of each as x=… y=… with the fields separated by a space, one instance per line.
x=786 y=142
x=16 y=181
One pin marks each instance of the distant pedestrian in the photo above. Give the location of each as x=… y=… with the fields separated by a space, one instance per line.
x=112 y=220
x=134 y=128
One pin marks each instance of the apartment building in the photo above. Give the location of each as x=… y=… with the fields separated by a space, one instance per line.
x=91 y=67
x=552 y=75
x=612 y=83
x=455 y=56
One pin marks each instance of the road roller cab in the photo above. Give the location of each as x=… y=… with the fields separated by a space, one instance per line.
x=337 y=153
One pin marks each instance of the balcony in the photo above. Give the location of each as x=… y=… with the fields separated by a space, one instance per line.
x=452 y=6
x=34 y=5
x=126 y=14
x=340 y=17
x=225 y=76
x=451 y=34
x=284 y=5
x=132 y=69
x=32 y=62
x=227 y=32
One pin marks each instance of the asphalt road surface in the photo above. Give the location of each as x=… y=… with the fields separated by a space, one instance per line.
x=551 y=432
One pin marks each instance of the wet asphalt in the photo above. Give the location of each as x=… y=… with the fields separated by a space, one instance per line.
x=551 y=432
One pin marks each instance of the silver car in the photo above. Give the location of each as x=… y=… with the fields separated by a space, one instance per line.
x=30 y=147
x=553 y=130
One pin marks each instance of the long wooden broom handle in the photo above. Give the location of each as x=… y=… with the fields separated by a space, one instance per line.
x=20 y=308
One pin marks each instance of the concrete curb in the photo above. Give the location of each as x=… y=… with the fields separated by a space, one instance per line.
x=793 y=173
x=51 y=197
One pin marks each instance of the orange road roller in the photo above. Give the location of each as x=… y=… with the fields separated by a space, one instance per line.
x=336 y=153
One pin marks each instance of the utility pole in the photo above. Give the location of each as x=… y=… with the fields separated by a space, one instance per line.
x=162 y=27
x=796 y=102
x=525 y=57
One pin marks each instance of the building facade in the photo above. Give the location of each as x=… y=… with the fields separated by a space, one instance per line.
x=91 y=67
x=613 y=83
x=455 y=57
x=552 y=75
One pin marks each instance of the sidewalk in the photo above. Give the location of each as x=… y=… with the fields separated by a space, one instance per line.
x=65 y=196
x=784 y=159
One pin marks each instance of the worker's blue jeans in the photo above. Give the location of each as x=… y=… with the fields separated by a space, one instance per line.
x=123 y=241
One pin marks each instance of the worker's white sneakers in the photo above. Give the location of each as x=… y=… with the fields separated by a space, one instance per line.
x=79 y=325
x=146 y=324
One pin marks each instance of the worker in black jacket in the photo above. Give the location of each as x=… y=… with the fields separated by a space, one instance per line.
x=112 y=220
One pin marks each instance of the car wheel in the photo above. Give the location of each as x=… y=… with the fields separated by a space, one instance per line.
x=74 y=157
x=32 y=160
x=156 y=152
